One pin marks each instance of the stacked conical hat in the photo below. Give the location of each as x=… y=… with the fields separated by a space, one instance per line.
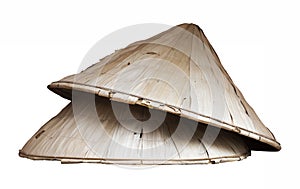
x=164 y=100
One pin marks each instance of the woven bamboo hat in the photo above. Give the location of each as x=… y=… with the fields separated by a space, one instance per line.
x=201 y=116
x=176 y=71
x=82 y=137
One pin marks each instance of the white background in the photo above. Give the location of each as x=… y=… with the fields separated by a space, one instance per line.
x=40 y=42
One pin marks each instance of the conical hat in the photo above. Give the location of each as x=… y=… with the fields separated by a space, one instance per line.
x=176 y=71
x=95 y=134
